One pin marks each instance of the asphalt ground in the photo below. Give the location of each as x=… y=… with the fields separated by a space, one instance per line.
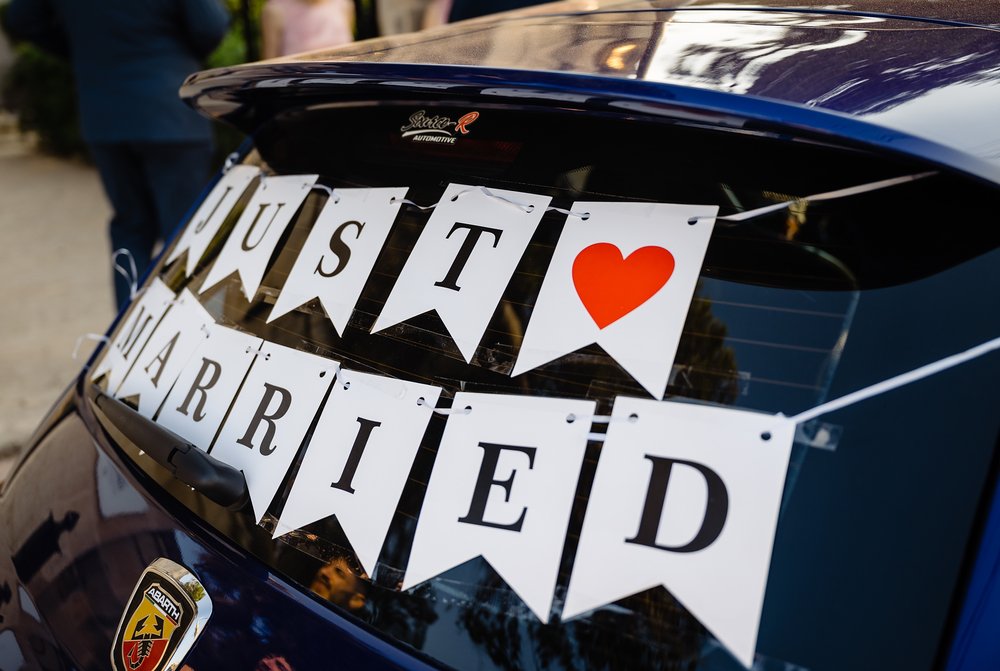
x=55 y=282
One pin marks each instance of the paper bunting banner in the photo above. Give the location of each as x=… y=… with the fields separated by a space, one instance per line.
x=340 y=252
x=133 y=332
x=182 y=329
x=252 y=241
x=211 y=214
x=463 y=260
x=502 y=488
x=686 y=497
x=270 y=417
x=359 y=457
x=201 y=396
x=622 y=278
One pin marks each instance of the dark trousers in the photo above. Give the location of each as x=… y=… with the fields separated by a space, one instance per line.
x=151 y=186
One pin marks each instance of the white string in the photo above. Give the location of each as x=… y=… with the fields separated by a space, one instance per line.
x=131 y=275
x=230 y=162
x=897 y=381
x=445 y=411
x=96 y=337
x=329 y=192
x=826 y=195
x=741 y=216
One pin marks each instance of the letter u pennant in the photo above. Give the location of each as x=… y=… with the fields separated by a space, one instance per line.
x=686 y=497
x=502 y=488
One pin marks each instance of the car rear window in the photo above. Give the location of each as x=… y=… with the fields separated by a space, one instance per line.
x=791 y=309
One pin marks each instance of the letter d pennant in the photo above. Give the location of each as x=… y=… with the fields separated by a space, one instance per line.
x=686 y=497
x=502 y=488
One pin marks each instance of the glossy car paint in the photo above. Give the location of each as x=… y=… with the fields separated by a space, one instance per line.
x=79 y=522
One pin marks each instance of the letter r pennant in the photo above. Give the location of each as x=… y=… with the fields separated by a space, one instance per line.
x=687 y=497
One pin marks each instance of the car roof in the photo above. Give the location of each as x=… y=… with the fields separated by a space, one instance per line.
x=917 y=77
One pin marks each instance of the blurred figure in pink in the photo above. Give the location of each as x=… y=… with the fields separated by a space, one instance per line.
x=294 y=26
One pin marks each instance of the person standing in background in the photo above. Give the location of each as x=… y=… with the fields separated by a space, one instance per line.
x=129 y=58
x=449 y=11
x=294 y=26
x=400 y=16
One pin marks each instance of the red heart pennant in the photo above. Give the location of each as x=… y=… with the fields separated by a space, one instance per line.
x=610 y=286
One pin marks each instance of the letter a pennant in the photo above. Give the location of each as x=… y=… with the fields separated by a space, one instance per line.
x=463 y=261
x=502 y=488
x=359 y=457
x=182 y=329
x=687 y=497
x=133 y=333
x=252 y=241
x=622 y=278
x=270 y=417
x=340 y=252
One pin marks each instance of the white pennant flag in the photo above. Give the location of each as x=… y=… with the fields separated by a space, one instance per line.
x=502 y=488
x=269 y=419
x=199 y=399
x=686 y=497
x=133 y=332
x=622 y=278
x=359 y=457
x=463 y=260
x=211 y=214
x=182 y=329
x=252 y=241
x=340 y=252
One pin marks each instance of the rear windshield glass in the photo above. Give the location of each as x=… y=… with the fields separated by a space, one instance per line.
x=790 y=309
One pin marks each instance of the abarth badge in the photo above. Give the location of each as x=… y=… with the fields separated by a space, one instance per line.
x=166 y=613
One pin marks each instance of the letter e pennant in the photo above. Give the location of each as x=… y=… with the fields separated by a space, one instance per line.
x=687 y=497
x=340 y=252
x=463 y=261
x=502 y=488
x=252 y=241
x=622 y=278
x=269 y=419
x=359 y=457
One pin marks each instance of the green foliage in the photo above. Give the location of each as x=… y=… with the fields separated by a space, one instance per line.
x=39 y=88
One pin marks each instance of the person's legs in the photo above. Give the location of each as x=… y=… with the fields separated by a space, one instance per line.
x=133 y=221
x=177 y=173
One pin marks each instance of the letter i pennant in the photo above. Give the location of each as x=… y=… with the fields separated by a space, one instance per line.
x=502 y=488
x=359 y=457
x=464 y=260
x=252 y=241
x=686 y=497
x=270 y=417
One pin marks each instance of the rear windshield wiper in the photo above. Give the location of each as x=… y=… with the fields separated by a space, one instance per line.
x=210 y=477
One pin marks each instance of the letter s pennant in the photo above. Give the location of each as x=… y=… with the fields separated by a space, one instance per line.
x=502 y=488
x=687 y=497
x=340 y=252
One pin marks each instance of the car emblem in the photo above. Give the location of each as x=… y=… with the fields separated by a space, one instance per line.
x=421 y=127
x=165 y=615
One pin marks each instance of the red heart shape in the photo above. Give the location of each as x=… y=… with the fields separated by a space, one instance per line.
x=610 y=286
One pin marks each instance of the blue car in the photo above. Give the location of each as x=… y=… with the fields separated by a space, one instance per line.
x=529 y=343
